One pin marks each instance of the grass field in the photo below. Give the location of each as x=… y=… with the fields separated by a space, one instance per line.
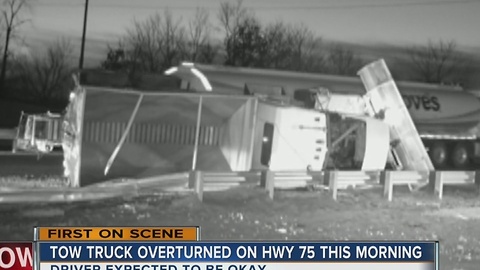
x=248 y=214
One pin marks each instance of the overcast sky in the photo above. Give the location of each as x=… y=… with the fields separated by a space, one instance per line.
x=360 y=21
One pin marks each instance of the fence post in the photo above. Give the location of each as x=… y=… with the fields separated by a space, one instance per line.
x=388 y=185
x=191 y=180
x=333 y=183
x=195 y=181
x=267 y=181
x=431 y=181
x=477 y=181
x=439 y=184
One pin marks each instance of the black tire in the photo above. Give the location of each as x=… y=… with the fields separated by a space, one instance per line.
x=438 y=153
x=461 y=155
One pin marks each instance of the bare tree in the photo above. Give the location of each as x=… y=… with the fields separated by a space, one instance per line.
x=435 y=62
x=115 y=58
x=172 y=44
x=12 y=20
x=156 y=43
x=231 y=15
x=199 y=30
x=208 y=52
x=279 y=46
x=126 y=57
x=46 y=78
x=306 y=55
x=143 y=41
x=246 y=46
x=342 y=61
x=248 y=43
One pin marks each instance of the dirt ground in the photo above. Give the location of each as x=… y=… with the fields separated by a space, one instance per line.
x=248 y=214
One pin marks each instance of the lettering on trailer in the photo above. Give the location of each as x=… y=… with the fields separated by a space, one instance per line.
x=424 y=102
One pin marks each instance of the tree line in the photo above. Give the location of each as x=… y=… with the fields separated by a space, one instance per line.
x=234 y=36
x=161 y=41
x=41 y=76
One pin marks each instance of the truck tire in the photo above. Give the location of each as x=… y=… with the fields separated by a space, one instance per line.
x=460 y=156
x=439 y=154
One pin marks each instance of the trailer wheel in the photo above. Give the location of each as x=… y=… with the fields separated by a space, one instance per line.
x=461 y=156
x=439 y=154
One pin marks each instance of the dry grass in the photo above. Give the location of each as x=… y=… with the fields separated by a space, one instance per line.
x=248 y=214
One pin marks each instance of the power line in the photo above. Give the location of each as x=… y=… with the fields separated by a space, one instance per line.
x=269 y=7
x=59 y=4
x=82 y=50
x=310 y=7
x=376 y=5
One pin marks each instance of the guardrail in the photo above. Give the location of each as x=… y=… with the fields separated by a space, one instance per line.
x=200 y=182
x=443 y=178
x=397 y=178
x=289 y=179
x=344 y=179
x=333 y=180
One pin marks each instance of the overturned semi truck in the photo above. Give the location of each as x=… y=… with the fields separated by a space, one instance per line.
x=112 y=133
x=116 y=133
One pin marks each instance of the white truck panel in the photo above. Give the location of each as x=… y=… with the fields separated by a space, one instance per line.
x=299 y=138
x=387 y=103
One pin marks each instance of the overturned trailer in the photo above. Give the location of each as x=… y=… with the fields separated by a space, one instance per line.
x=112 y=133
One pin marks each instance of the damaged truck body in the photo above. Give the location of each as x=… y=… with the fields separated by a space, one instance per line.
x=110 y=133
x=445 y=116
x=173 y=132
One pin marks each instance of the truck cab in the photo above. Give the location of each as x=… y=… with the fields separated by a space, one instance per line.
x=39 y=133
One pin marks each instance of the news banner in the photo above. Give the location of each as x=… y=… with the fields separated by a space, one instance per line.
x=180 y=248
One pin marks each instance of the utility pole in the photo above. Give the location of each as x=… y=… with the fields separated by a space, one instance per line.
x=80 y=66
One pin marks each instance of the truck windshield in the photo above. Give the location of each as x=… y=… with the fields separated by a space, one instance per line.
x=41 y=131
